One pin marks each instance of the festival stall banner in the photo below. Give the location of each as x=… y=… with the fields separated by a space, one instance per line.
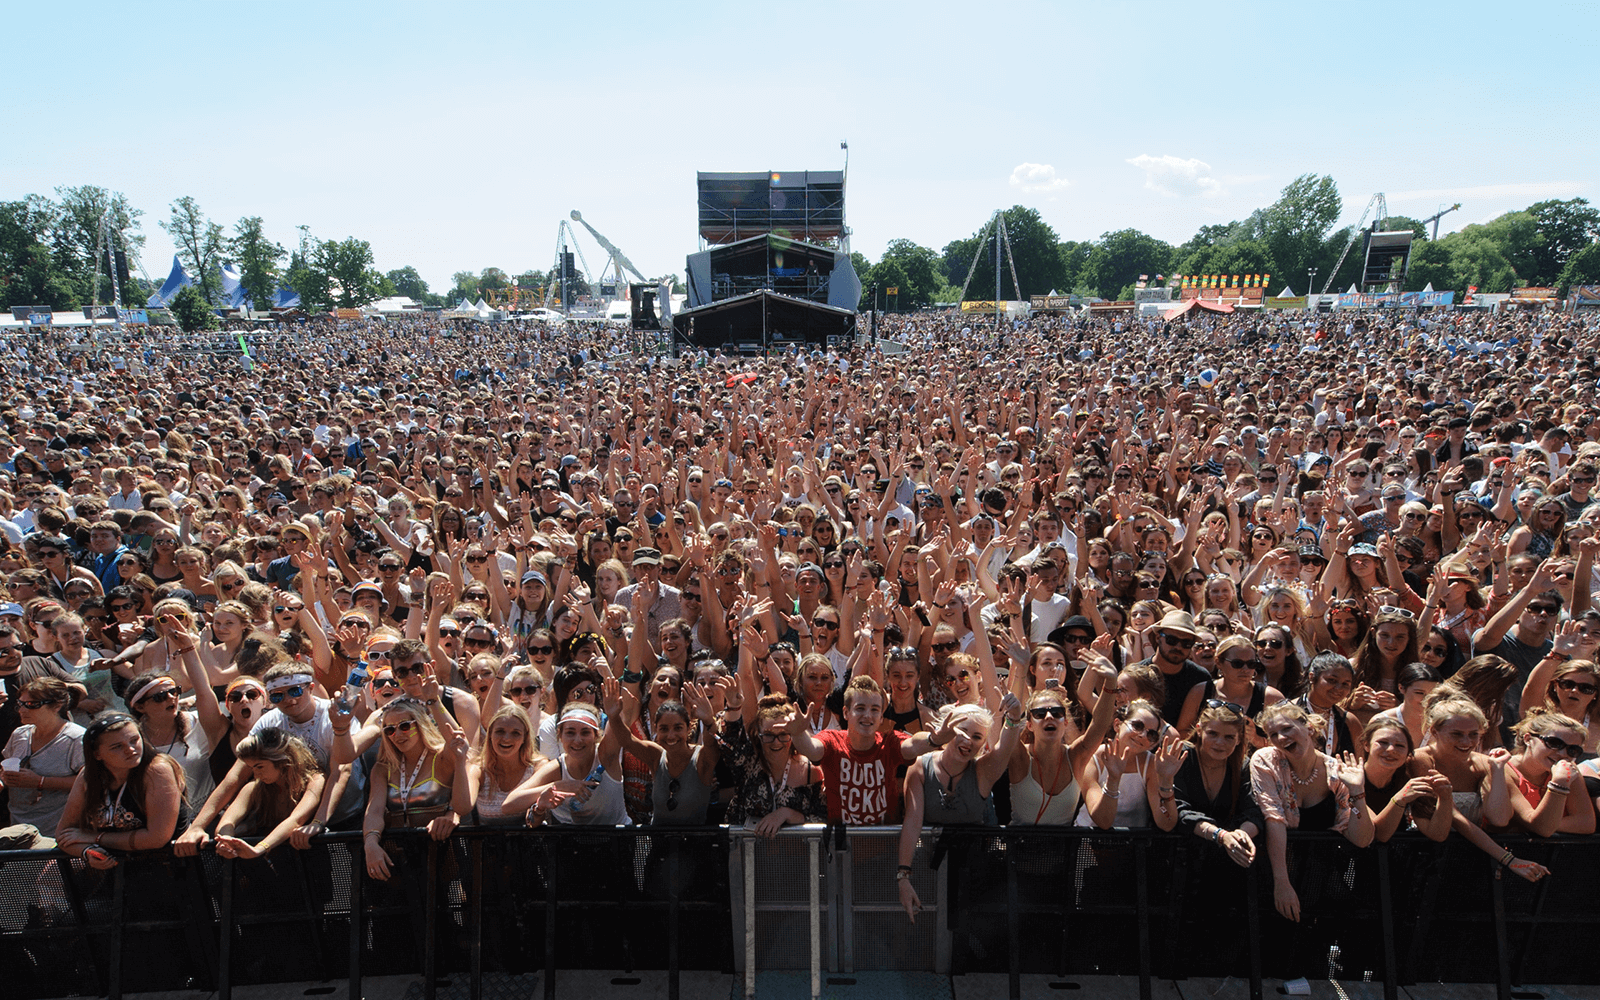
x=1285 y=302
x=1585 y=295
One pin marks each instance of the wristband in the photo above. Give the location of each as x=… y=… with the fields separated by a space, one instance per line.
x=1551 y=787
x=632 y=676
x=1216 y=835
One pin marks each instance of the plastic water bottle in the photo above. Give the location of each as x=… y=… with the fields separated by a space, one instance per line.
x=356 y=681
x=593 y=781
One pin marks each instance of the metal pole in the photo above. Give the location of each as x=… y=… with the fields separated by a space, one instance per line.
x=1014 y=942
x=430 y=940
x=749 y=916
x=814 y=905
x=1391 y=979
x=357 y=924
x=1141 y=859
x=997 y=310
x=1502 y=947
x=225 y=929
x=1252 y=910
x=476 y=987
x=674 y=844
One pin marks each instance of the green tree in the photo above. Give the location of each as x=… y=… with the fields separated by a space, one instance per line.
x=1119 y=258
x=1401 y=223
x=1297 y=229
x=30 y=273
x=465 y=287
x=493 y=279
x=911 y=268
x=310 y=282
x=77 y=230
x=1074 y=257
x=191 y=311
x=408 y=282
x=258 y=259
x=1565 y=228
x=200 y=243
x=1432 y=264
x=1516 y=236
x=1034 y=247
x=348 y=265
x=1582 y=268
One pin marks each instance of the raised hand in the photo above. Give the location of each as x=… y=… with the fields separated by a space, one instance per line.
x=1169 y=757
x=1351 y=772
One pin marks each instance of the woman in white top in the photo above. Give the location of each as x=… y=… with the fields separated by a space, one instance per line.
x=587 y=776
x=1045 y=787
x=48 y=752
x=1128 y=782
x=186 y=736
x=505 y=760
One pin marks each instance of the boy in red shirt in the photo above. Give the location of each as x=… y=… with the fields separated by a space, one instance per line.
x=859 y=762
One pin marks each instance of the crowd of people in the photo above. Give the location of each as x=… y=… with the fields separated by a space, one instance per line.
x=1232 y=577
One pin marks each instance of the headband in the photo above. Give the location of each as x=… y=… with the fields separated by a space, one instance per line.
x=289 y=681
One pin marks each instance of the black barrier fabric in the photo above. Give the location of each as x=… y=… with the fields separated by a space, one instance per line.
x=1029 y=900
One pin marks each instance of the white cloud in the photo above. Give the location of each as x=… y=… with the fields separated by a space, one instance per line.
x=1037 y=178
x=1172 y=176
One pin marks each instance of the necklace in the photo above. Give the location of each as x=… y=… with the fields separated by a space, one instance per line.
x=1316 y=766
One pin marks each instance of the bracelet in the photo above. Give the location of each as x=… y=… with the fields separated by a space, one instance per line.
x=97 y=837
x=41 y=782
x=903 y=875
x=1164 y=791
x=632 y=676
x=1507 y=858
x=1011 y=723
x=1558 y=655
x=371 y=833
x=1216 y=835
x=1108 y=793
x=1551 y=787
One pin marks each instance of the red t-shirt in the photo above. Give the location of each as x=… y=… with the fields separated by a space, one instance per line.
x=861 y=785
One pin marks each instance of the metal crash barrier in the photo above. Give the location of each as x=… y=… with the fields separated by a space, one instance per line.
x=821 y=899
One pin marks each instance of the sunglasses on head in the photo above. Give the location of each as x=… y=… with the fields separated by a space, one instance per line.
x=276 y=697
x=1230 y=706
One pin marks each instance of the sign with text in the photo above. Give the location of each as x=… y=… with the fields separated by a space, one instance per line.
x=1533 y=292
x=1285 y=302
x=1048 y=303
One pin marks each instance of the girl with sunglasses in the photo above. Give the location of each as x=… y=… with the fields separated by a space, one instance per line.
x=1567 y=681
x=1279 y=662
x=1128 y=781
x=1238 y=683
x=48 y=749
x=420 y=780
x=774 y=785
x=1044 y=769
x=187 y=736
x=1547 y=792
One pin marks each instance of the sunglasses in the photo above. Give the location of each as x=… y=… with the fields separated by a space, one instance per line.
x=1269 y=643
x=281 y=608
x=1230 y=706
x=472 y=643
x=541 y=650
x=1579 y=686
x=402 y=727
x=115 y=609
x=525 y=689
x=1048 y=712
x=385 y=682
x=1559 y=745
x=244 y=694
x=159 y=697
x=32 y=706
x=823 y=623
x=1251 y=665
x=773 y=739
x=449 y=633
x=1182 y=642
x=420 y=669
x=277 y=697
x=1543 y=609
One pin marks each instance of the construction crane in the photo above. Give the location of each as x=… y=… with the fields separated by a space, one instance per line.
x=1435 y=217
x=619 y=260
x=1355 y=234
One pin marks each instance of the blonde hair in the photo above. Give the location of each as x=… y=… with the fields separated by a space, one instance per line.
x=432 y=739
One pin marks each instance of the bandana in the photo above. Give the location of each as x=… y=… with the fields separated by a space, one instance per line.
x=289 y=681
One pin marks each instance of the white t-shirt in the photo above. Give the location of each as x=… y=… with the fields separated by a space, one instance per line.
x=317 y=731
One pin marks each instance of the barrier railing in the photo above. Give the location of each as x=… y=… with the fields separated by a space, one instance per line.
x=1014 y=900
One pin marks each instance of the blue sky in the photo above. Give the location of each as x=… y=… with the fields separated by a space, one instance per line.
x=456 y=136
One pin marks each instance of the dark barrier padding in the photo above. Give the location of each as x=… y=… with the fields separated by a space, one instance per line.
x=1034 y=900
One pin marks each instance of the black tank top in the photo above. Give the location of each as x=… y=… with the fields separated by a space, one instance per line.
x=902 y=720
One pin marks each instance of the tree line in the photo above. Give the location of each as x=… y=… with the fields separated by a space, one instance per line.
x=51 y=249
x=1547 y=243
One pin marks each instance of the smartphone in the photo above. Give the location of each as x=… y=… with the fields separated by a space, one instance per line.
x=1052 y=682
